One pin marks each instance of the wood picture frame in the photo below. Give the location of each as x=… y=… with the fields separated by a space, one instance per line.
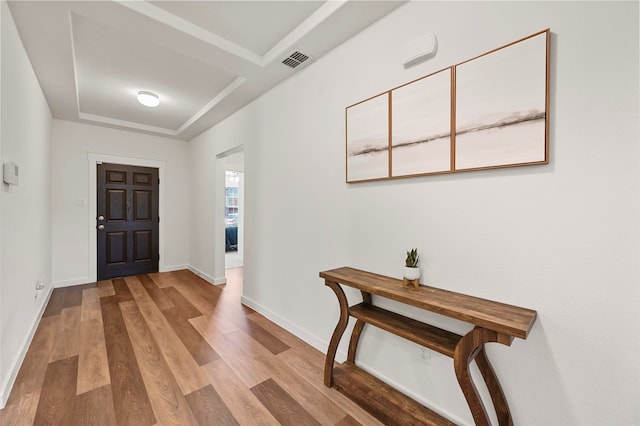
x=421 y=126
x=501 y=101
x=367 y=134
x=496 y=106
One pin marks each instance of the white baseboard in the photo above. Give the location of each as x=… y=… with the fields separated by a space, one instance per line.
x=341 y=356
x=15 y=368
x=74 y=281
x=172 y=268
x=208 y=278
x=314 y=341
x=455 y=419
x=87 y=280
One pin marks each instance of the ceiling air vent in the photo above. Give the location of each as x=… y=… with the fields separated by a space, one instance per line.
x=295 y=59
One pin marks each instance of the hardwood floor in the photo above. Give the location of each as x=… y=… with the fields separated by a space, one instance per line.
x=169 y=349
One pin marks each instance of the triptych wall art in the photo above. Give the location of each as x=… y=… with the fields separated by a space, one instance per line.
x=484 y=113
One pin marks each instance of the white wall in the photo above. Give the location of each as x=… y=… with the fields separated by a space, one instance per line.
x=4 y=388
x=72 y=145
x=208 y=158
x=26 y=208
x=561 y=238
x=235 y=162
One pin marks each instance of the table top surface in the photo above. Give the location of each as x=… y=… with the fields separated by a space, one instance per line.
x=503 y=318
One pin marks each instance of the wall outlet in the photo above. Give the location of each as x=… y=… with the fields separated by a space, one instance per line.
x=425 y=355
x=39 y=289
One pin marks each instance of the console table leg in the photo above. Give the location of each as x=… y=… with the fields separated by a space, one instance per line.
x=355 y=338
x=495 y=390
x=471 y=347
x=337 y=333
x=357 y=330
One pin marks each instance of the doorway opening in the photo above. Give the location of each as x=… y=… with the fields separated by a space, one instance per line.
x=233 y=257
x=234 y=210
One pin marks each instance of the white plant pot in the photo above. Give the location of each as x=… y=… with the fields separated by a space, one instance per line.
x=411 y=273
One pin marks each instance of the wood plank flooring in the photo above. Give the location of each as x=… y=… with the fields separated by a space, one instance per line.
x=169 y=349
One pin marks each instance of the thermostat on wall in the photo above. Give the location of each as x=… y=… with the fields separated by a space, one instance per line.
x=10 y=173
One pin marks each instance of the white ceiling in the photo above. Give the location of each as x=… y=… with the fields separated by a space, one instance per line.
x=205 y=59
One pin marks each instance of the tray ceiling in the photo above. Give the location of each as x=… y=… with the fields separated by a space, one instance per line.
x=205 y=59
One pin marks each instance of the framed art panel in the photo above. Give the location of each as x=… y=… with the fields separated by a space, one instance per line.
x=368 y=139
x=421 y=126
x=501 y=101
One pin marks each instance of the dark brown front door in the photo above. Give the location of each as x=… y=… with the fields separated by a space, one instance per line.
x=127 y=220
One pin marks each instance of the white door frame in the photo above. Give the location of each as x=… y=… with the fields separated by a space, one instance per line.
x=94 y=159
x=219 y=213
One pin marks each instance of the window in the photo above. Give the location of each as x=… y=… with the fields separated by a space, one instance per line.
x=231 y=199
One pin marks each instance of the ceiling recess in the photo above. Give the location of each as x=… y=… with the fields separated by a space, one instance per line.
x=204 y=59
x=295 y=59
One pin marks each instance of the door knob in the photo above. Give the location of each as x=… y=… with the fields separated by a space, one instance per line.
x=100 y=217
x=100 y=227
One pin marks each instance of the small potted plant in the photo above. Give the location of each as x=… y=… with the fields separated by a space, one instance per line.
x=411 y=269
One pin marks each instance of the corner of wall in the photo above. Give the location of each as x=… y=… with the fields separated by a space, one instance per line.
x=207 y=277
x=5 y=390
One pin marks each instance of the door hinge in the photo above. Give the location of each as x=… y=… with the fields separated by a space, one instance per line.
x=158 y=181
x=158 y=257
x=158 y=219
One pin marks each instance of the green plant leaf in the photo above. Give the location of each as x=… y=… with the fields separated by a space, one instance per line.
x=412 y=258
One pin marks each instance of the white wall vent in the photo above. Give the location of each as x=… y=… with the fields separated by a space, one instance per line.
x=295 y=59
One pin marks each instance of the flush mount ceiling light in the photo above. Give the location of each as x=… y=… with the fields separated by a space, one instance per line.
x=149 y=99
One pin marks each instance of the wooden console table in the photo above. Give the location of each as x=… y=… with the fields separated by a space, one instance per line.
x=493 y=321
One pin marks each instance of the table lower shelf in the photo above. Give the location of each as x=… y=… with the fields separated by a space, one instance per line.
x=426 y=335
x=387 y=404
